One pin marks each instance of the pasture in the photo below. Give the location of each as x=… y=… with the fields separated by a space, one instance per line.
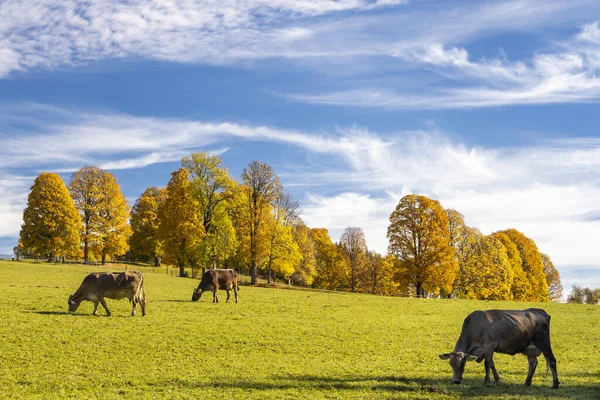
x=273 y=344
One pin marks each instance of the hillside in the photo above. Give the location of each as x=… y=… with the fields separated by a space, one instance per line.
x=274 y=343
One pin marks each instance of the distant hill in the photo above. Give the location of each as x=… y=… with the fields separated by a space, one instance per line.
x=6 y=256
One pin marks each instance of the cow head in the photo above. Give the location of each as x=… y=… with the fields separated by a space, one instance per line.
x=458 y=359
x=73 y=305
x=197 y=294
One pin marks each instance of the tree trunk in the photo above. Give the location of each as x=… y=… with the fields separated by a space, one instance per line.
x=86 y=251
x=51 y=258
x=182 y=271
x=157 y=261
x=419 y=289
x=269 y=276
x=103 y=258
x=253 y=279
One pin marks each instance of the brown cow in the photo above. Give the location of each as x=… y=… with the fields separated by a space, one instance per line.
x=503 y=331
x=116 y=285
x=213 y=279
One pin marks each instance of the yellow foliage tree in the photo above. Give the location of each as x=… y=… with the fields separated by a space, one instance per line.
x=306 y=270
x=485 y=272
x=144 y=241
x=180 y=228
x=354 y=244
x=50 y=220
x=520 y=288
x=282 y=252
x=532 y=264
x=261 y=188
x=419 y=239
x=332 y=269
x=555 y=288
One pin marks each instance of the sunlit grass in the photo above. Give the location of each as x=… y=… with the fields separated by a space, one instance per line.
x=274 y=343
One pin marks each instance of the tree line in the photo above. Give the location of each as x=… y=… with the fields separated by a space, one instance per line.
x=204 y=218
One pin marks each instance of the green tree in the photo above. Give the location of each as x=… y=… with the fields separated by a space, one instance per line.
x=180 y=228
x=419 y=238
x=555 y=288
x=144 y=241
x=213 y=189
x=532 y=264
x=261 y=188
x=50 y=220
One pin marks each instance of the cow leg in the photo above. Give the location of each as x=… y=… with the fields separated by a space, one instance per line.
x=533 y=362
x=134 y=304
x=95 y=308
x=235 y=292
x=546 y=349
x=143 y=305
x=215 y=298
x=103 y=302
x=228 y=295
x=489 y=364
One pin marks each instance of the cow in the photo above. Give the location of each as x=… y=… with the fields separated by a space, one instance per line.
x=116 y=285
x=503 y=331
x=214 y=279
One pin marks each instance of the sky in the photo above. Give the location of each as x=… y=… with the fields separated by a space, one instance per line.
x=490 y=107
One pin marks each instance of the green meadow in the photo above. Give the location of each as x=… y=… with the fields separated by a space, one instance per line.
x=274 y=343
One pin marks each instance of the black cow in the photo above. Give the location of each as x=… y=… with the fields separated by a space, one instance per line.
x=503 y=331
x=214 y=279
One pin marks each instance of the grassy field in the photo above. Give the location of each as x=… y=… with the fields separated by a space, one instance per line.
x=273 y=344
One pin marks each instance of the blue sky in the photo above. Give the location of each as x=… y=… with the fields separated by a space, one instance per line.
x=489 y=106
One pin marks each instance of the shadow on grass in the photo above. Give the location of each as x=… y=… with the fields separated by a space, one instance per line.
x=471 y=388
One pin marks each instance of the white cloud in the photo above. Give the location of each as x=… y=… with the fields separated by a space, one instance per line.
x=550 y=191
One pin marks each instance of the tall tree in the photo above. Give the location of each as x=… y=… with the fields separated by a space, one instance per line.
x=144 y=224
x=261 y=188
x=50 y=220
x=180 y=228
x=532 y=264
x=555 y=288
x=306 y=269
x=520 y=288
x=485 y=272
x=355 y=246
x=332 y=272
x=419 y=237
x=85 y=188
x=113 y=211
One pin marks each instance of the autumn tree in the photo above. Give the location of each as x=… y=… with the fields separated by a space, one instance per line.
x=261 y=188
x=85 y=189
x=355 y=246
x=520 y=288
x=377 y=275
x=332 y=272
x=180 y=228
x=555 y=288
x=306 y=270
x=577 y=295
x=283 y=253
x=213 y=189
x=144 y=241
x=532 y=264
x=419 y=238
x=485 y=272
x=50 y=220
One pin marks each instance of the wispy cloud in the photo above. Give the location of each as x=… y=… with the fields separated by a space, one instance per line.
x=548 y=190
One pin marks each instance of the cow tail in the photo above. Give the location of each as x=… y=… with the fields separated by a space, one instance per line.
x=140 y=295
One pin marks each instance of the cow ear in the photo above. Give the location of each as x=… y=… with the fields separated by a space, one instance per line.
x=470 y=357
x=445 y=356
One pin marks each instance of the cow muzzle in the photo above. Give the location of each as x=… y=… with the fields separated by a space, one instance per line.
x=457 y=381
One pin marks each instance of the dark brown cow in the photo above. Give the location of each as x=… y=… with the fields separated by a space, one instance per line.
x=214 y=279
x=116 y=285
x=503 y=331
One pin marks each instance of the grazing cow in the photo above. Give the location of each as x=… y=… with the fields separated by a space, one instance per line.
x=116 y=285
x=503 y=331
x=214 y=279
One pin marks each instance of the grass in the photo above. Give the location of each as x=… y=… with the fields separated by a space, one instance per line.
x=279 y=344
